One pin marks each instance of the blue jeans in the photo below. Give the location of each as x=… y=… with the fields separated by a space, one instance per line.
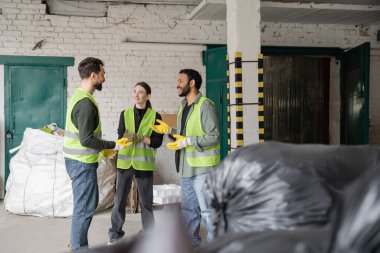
x=196 y=205
x=86 y=195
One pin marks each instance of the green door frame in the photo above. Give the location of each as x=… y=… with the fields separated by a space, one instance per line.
x=364 y=50
x=327 y=51
x=34 y=61
x=211 y=93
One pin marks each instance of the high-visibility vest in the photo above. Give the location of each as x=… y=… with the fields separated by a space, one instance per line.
x=139 y=155
x=71 y=146
x=208 y=157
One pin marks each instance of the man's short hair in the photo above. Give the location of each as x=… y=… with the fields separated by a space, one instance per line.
x=89 y=65
x=193 y=75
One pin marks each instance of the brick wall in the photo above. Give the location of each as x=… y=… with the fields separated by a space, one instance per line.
x=24 y=23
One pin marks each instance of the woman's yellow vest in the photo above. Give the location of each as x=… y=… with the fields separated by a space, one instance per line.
x=208 y=157
x=139 y=155
x=71 y=146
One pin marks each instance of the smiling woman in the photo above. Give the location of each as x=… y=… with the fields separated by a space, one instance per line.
x=137 y=160
x=141 y=95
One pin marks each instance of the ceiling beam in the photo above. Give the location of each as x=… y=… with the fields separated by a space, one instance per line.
x=312 y=13
x=166 y=2
x=209 y=9
x=321 y=6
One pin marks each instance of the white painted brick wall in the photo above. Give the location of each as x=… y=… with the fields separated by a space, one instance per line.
x=23 y=23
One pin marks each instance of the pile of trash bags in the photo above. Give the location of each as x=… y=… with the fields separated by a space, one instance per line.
x=38 y=183
x=275 y=197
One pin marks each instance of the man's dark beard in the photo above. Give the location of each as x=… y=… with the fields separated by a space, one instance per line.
x=185 y=90
x=99 y=86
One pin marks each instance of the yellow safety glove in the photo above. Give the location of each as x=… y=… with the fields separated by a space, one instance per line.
x=180 y=143
x=162 y=128
x=109 y=153
x=122 y=143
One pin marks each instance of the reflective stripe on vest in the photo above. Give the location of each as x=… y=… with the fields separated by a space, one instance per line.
x=140 y=155
x=208 y=157
x=71 y=147
x=80 y=151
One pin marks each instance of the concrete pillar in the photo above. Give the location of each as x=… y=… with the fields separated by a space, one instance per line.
x=243 y=35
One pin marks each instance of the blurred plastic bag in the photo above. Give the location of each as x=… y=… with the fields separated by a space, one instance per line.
x=312 y=240
x=358 y=229
x=274 y=186
x=168 y=236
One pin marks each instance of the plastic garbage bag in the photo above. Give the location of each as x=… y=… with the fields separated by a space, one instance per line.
x=312 y=240
x=354 y=226
x=358 y=229
x=274 y=186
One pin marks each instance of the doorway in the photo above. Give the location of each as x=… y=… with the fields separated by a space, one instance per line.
x=296 y=99
x=352 y=108
x=34 y=95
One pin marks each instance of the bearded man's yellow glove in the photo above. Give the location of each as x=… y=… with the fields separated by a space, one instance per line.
x=180 y=143
x=162 y=128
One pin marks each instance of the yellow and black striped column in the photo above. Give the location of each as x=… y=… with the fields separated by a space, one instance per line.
x=239 y=100
x=228 y=106
x=261 y=96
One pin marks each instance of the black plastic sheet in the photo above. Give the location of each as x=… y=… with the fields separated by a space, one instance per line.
x=358 y=229
x=281 y=241
x=277 y=186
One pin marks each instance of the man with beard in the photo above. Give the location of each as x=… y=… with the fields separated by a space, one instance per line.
x=82 y=145
x=197 y=150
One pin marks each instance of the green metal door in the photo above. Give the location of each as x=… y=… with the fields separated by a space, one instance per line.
x=355 y=95
x=216 y=89
x=35 y=95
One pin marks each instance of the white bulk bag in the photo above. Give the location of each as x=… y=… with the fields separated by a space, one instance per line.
x=38 y=183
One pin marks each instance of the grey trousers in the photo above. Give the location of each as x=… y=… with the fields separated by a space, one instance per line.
x=123 y=186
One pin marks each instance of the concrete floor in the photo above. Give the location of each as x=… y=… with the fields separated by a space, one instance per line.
x=29 y=234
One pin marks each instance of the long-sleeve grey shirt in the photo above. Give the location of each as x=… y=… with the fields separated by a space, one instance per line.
x=85 y=118
x=209 y=122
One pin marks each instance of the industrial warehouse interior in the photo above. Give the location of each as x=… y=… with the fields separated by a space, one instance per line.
x=189 y=126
